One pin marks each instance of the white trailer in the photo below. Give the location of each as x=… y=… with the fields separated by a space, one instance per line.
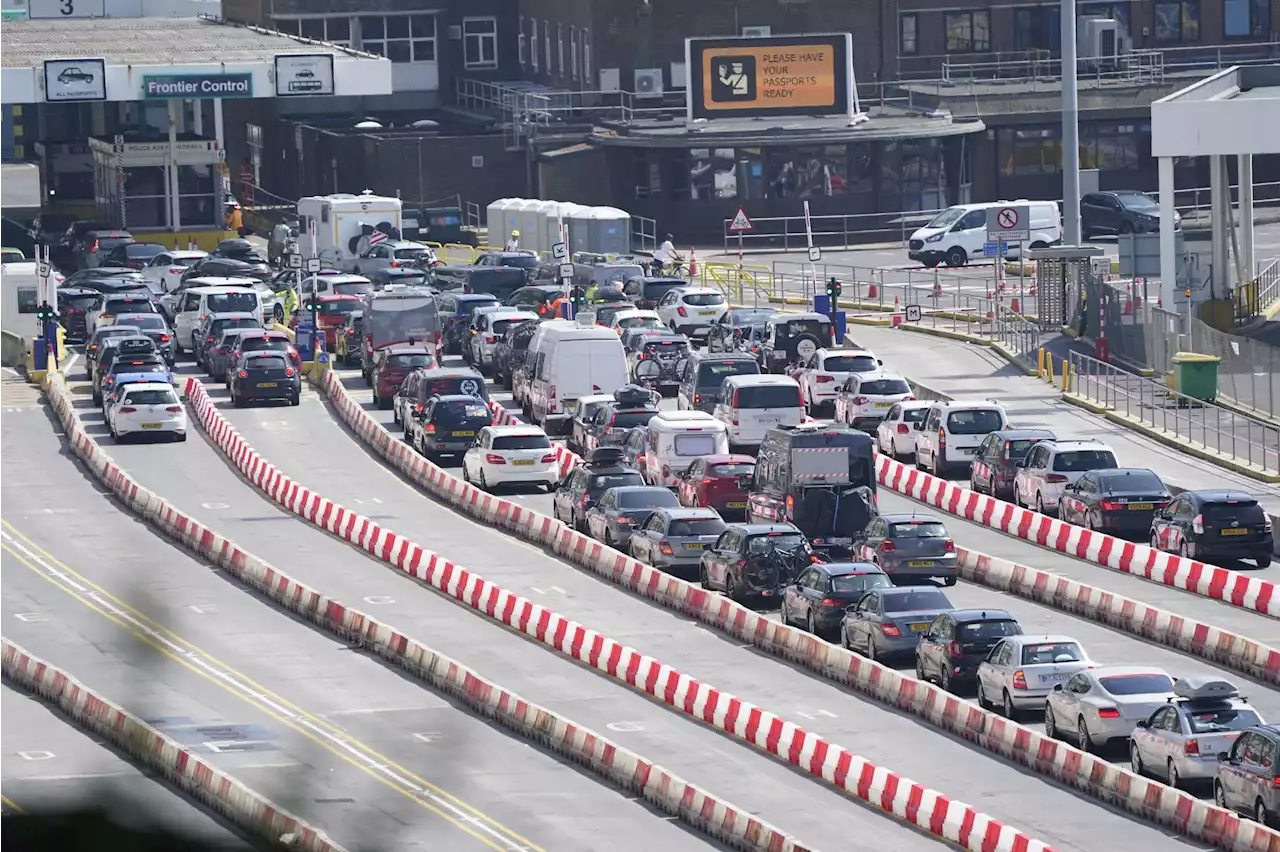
x=342 y=225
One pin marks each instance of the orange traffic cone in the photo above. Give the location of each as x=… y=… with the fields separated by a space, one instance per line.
x=873 y=292
x=937 y=289
x=1128 y=308
x=693 y=261
x=895 y=303
x=1015 y=305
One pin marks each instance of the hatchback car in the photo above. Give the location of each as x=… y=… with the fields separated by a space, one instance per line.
x=73 y=306
x=896 y=433
x=1020 y=671
x=822 y=374
x=722 y=482
x=217 y=357
x=393 y=366
x=911 y=547
x=821 y=593
x=1105 y=703
x=578 y=493
x=448 y=425
x=752 y=561
x=212 y=329
x=1051 y=466
x=621 y=509
x=113 y=305
x=957 y=642
x=1214 y=525
x=511 y=455
x=146 y=410
x=995 y=464
x=864 y=399
x=133 y=255
x=888 y=620
x=674 y=539
x=265 y=375
x=153 y=326
x=1120 y=501
x=1247 y=773
x=1182 y=740
x=692 y=310
x=582 y=416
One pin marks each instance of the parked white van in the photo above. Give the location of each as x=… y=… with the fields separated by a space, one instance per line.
x=569 y=361
x=952 y=432
x=676 y=439
x=203 y=296
x=750 y=405
x=957 y=235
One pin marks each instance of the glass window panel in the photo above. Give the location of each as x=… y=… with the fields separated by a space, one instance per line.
x=423 y=26
x=397 y=26
x=398 y=51
x=373 y=28
x=338 y=29
x=313 y=28
x=424 y=50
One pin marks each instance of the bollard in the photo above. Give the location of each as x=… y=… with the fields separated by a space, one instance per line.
x=1040 y=363
x=1015 y=305
x=1066 y=373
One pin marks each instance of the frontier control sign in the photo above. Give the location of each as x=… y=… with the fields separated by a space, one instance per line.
x=788 y=75
x=197 y=86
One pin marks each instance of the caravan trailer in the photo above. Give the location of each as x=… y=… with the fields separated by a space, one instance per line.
x=343 y=225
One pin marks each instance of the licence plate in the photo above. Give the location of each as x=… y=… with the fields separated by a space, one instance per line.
x=464 y=434
x=266 y=384
x=523 y=462
x=152 y=425
x=698 y=546
x=883 y=404
x=1236 y=531
x=1053 y=678
x=918 y=626
x=1137 y=506
x=737 y=504
x=921 y=563
x=706 y=313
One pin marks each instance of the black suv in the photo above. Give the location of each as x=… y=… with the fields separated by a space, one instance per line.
x=511 y=350
x=456 y=311
x=585 y=484
x=632 y=406
x=1122 y=212
x=950 y=651
x=702 y=374
x=647 y=291
x=1214 y=525
x=996 y=461
x=448 y=425
x=789 y=338
x=228 y=267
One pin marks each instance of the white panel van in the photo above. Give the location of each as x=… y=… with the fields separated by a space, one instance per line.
x=958 y=234
x=749 y=406
x=568 y=362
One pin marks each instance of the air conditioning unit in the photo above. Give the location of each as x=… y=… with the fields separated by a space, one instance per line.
x=455 y=32
x=649 y=82
x=757 y=32
x=610 y=80
x=1099 y=38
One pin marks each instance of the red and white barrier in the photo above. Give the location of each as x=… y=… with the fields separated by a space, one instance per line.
x=149 y=748
x=902 y=798
x=617 y=765
x=1112 y=784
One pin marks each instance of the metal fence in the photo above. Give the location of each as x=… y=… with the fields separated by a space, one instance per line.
x=1249 y=374
x=1191 y=421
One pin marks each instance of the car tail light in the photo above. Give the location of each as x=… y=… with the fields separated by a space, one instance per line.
x=289 y=372
x=1197 y=525
x=174 y=408
x=831 y=602
x=1110 y=506
x=904 y=429
x=681 y=311
x=95 y=246
x=208 y=340
x=549 y=458
x=908 y=398
x=1266 y=527
x=164 y=338
x=949 y=546
x=128 y=409
x=419 y=407
x=1191 y=747
x=860 y=400
x=890 y=630
x=1019 y=679
x=244 y=374
x=942 y=439
x=1108 y=713
x=665 y=548
x=350 y=331
x=697 y=399
x=494 y=458
x=431 y=428
x=735 y=403
x=825 y=380
x=583 y=501
x=1055 y=477
x=887 y=546
x=490 y=339
x=177 y=270
x=625 y=519
x=954 y=649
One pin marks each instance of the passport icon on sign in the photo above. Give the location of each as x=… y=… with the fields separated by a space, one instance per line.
x=733 y=78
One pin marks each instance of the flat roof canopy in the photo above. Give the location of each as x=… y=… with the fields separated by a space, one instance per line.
x=1236 y=111
x=132 y=49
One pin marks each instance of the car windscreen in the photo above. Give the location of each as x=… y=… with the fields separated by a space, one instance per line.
x=781 y=541
x=974 y=421
x=108 y=243
x=695 y=443
x=1077 y=461
x=915 y=600
x=233 y=303
x=467 y=307
x=340 y=307
x=666 y=348
x=1132 y=481
x=917 y=529
x=1138 y=202
x=453 y=411
x=732 y=469
x=267 y=362
x=448 y=385
x=254 y=344
x=521 y=442
x=914 y=415
x=768 y=396
x=946 y=218
x=129 y=306
x=884 y=387
x=604 y=316
x=744 y=318
x=77 y=302
x=221 y=326
x=631 y=419
x=604 y=481
x=1136 y=684
x=639 y=322
x=711 y=374
x=1237 y=510
x=1215 y=720
x=704 y=299
x=649 y=498
x=521 y=261
x=408 y=360
x=151 y=396
x=353 y=288
x=696 y=526
x=416 y=280
x=411 y=253
x=228 y=340
x=1014 y=450
x=848 y=584
x=849 y=364
x=184 y=262
x=152 y=321
x=143 y=250
x=501 y=325
x=137 y=364
x=817 y=328
x=655 y=290
x=1046 y=653
x=987 y=631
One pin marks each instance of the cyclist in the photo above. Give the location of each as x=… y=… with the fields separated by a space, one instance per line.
x=663 y=255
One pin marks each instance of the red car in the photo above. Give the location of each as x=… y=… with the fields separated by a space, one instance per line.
x=721 y=482
x=332 y=315
x=394 y=364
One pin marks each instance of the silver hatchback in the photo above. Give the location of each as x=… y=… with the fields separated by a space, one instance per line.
x=675 y=539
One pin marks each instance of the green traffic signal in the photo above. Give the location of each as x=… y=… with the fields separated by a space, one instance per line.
x=833 y=288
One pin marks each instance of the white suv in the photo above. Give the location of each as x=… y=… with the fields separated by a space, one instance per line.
x=1053 y=465
x=822 y=373
x=692 y=310
x=953 y=431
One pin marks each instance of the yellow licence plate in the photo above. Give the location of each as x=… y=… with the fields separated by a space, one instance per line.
x=883 y=404
x=1137 y=506
x=737 y=504
x=707 y=313
x=464 y=434
x=266 y=384
x=152 y=425
x=921 y=563
x=523 y=462
x=1236 y=531
x=698 y=546
x=918 y=626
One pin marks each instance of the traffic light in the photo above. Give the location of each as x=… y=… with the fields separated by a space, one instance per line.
x=577 y=296
x=312 y=304
x=46 y=313
x=833 y=288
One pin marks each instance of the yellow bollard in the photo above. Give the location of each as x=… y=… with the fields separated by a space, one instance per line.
x=1065 y=375
x=1040 y=364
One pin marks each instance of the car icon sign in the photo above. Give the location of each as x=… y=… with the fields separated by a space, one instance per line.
x=74 y=75
x=305 y=73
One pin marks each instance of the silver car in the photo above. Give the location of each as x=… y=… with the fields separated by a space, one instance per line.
x=911 y=547
x=1098 y=705
x=1021 y=671
x=674 y=539
x=889 y=621
x=1181 y=741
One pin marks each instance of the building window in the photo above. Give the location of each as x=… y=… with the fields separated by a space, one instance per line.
x=533 y=43
x=1110 y=147
x=1037 y=28
x=907 y=43
x=336 y=30
x=546 y=43
x=713 y=173
x=968 y=32
x=1030 y=151
x=808 y=171
x=1118 y=12
x=522 y=45
x=573 y=52
x=586 y=60
x=480 y=43
x=560 y=49
x=1246 y=18
x=649 y=165
x=400 y=38
x=1177 y=21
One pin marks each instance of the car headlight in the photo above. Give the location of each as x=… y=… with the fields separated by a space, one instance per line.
x=936 y=238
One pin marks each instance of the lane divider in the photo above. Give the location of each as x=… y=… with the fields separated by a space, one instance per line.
x=838 y=767
x=618 y=766
x=180 y=767
x=838 y=664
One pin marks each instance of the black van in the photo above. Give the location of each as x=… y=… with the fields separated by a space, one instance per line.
x=704 y=372
x=820 y=477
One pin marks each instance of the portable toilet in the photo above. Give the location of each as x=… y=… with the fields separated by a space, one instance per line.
x=610 y=230
x=521 y=217
x=578 y=221
x=496 y=221
x=554 y=219
x=547 y=214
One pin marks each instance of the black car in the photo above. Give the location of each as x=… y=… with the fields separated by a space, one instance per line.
x=753 y=561
x=264 y=375
x=138 y=352
x=511 y=350
x=950 y=651
x=584 y=485
x=97 y=343
x=113 y=347
x=822 y=592
x=396 y=276
x=1214 y=525
x=73 y=304
x=1120 y=212
x=631 y=406
x=726 y=333
x=646 y=291
x=153 y=326
x=526 y=261
x=702 y=374
x=133 y=255
x=456 y=311
x=448 y=425
x=417 y=389
x=214 y=266
x=996 y=462
x=539 y=298
x=656 y=358
x=1118 y=501
x=97 y=278
x=237 y=248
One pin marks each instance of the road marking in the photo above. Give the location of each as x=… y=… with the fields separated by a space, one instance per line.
x=215 y=506
x=84 y=776
x=36 y=755
x=379 y=600
x=430 y=737
x=549 y=589
x=625 y=727
x=201 y=609
x=31 y=617
x=11 y=804
x=465 y=817
x=816 y=714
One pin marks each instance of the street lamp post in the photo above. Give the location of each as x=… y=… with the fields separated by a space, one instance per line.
x=1070 y=129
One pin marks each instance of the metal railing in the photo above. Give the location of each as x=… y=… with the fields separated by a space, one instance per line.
x=1249 y=373
x=475 y=218
x=1268 y=284
x=644 y=233
x=1189 y=420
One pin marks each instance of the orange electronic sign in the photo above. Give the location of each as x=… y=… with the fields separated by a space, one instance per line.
x=788 y=75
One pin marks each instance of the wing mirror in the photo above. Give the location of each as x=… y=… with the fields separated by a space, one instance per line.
x=1057 y=687
x=1224 y=757
x=1142 y=723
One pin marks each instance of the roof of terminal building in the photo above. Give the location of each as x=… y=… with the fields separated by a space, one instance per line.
x=148 y=41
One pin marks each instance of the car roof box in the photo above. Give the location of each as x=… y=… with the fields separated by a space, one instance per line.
x=632 y=395
x=1197 y=688
x=606 y=457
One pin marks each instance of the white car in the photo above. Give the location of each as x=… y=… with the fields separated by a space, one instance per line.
x=1053 y=465
x=490 y=326
x=896 y=434
x=164 y=272
x=821 y=374
x=1105 y=703
x=1181 y=741
x=1021 y=671
x=953 y=432
x=148 y=409
x=692 y=310
x=511 y=455
x=635 y=318
x=865 y=398
x=392 y=253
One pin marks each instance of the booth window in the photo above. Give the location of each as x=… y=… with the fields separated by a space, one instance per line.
x=908 y=43
x=712 y=173
x=1037 y=28
x=586 y=57
x=573 y=52
x=1246 y=18
x=1109 y=147
x=560 y=50
x=807 y=171
x=968 y=32
x=922 y=175
x=546 y=44
x=649 y=163
x=480 y=42
x=334 y=28
x=522 y=45
x=28 y=303
x=1030 y=151
x=1177 y=21
x=400 y=38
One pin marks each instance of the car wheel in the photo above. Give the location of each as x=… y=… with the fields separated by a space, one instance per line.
x=1155 y=542
x=1010 y=712
x=944 y=680
x=956 y=257
x=237 y=400
x=1040 y=504
x=872 y=654
x=608 y=538
x=844 y=638
x=949 y=580
x=295 y=400
x=1264 y=561
x=395 y=415
x=810 y=625
x=466 y=475
x=703 y=579
x=1126 y=228
x=1260 y=813
x=484 y=481
x=920 y=672
x=737 y=589
x=935 y=465
x=784 y=613
x=1050 y=722
x=1083 y=736
x=1220 y=796
x=1175 y=777
x=1135 y=760
x=1184 y=551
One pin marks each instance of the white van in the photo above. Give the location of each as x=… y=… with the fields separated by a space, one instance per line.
x=749 y=406
x=676 y=439
x=203 y=296
x=952 y=432
x=958 y=234
x=571 y=361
